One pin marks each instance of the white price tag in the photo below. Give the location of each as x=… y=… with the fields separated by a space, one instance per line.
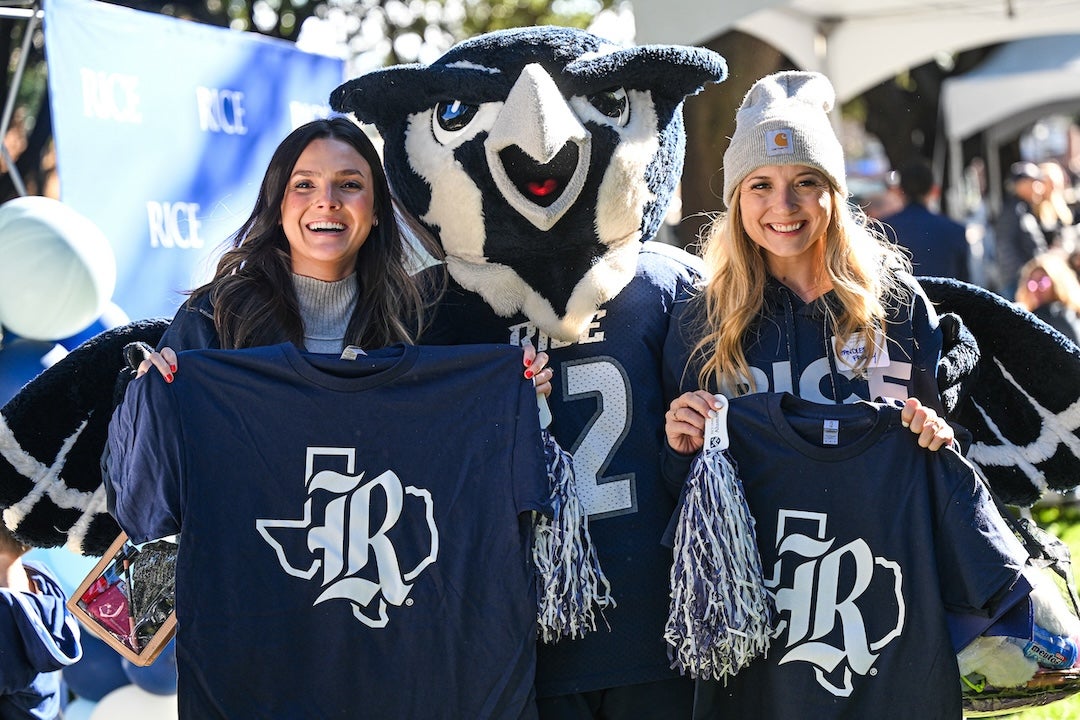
x=716 y=432
x=351 y=352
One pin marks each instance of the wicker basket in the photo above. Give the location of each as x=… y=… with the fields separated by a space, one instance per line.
x=1046 y=687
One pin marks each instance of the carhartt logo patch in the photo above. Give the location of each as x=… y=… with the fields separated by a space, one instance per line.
x=778 y=142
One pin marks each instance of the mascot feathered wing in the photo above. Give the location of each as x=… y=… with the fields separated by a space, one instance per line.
x=1014 y=383
x=52 y=435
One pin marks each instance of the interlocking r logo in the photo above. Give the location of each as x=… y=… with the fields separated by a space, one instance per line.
x=812 y=602
x=351 y=537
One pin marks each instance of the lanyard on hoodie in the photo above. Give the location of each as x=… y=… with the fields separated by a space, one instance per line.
x=793 y=364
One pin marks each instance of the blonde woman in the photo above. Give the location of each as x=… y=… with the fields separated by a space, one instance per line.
x=1049 y=288
x=806 y=311
x=804 y=294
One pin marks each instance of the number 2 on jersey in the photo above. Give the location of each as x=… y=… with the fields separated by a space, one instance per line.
x=603 y=379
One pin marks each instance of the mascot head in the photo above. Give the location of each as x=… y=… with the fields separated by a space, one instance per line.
x=539 y=157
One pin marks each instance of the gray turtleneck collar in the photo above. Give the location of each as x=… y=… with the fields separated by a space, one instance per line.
x=325 y=308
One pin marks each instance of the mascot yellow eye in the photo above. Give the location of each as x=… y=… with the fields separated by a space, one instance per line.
x=612 y=103
x=454 y=115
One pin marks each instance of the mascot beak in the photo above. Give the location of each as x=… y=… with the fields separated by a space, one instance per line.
x=537 y=151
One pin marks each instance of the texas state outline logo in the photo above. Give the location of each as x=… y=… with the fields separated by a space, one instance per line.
x=818 y=586
x=348 y=541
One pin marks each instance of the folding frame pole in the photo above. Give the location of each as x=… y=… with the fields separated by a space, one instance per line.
x=32 y=15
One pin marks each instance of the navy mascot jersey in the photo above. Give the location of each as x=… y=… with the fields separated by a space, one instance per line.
x=865 y=540
x=355 y=535
x=608 y=402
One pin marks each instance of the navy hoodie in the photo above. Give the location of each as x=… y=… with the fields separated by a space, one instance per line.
x=790 y=349
x=38 y=638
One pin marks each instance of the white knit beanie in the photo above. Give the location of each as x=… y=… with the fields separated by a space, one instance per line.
x=784 y=120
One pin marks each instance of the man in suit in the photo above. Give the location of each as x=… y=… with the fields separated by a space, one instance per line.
x=938 y=245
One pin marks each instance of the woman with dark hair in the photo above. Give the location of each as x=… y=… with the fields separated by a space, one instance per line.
x=322 y=235
x=321 y=261
x=392 y=519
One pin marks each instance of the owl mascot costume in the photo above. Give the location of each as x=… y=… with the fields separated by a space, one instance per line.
x=543 y=160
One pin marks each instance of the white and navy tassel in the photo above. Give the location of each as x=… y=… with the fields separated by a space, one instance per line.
x=721 y=612
x=571 y=583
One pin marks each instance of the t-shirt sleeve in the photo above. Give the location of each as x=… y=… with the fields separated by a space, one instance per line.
x=529 y=465
x=144 y=463
x=979 y=557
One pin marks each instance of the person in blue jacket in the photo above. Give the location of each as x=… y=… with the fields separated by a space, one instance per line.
x=39 y=636
x=938 y=244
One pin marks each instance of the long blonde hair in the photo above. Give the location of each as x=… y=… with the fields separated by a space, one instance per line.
x=860 y=263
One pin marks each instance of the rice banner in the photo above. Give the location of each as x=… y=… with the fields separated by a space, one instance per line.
x=163 y=130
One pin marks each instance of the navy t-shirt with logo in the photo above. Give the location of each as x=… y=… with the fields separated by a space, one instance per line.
x=355 y=535
x=865 y=539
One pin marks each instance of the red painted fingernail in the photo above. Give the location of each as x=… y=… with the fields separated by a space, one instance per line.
x=528 y=362
x=528 y=374
x=168 y=378
x=173 y=368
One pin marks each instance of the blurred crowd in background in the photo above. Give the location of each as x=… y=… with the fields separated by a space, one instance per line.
x=1027 y=250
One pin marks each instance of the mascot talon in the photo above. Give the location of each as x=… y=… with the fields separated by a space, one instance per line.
x=136 y=352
